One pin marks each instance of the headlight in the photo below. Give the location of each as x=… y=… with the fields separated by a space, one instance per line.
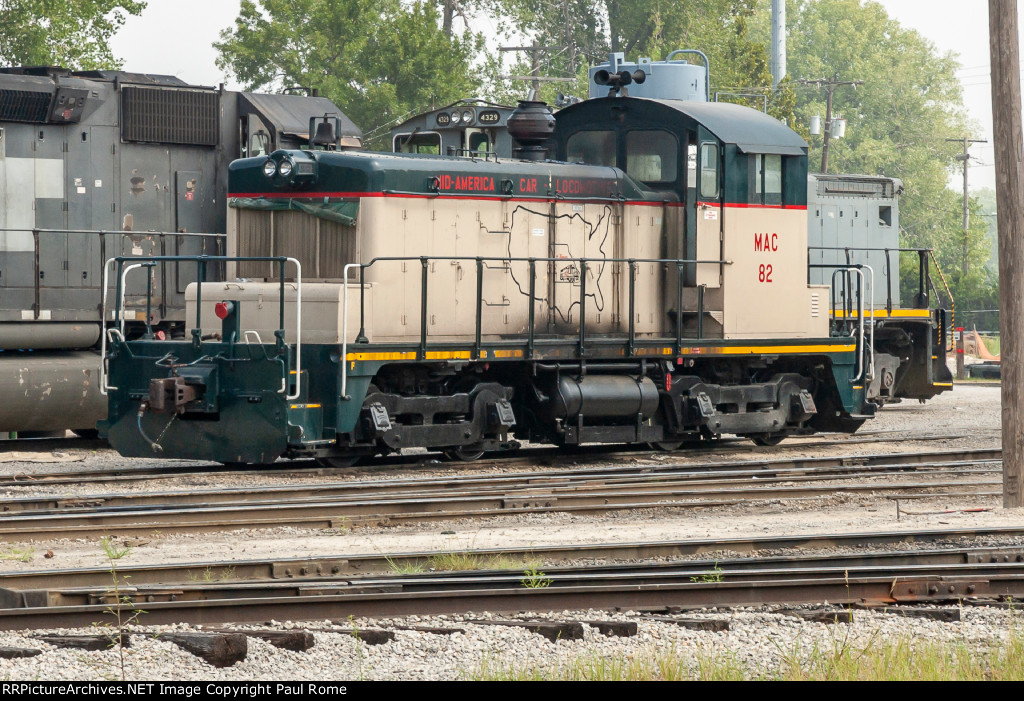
x=456 y=117
x=285 y=169
x=269 y=168
x=467 y=116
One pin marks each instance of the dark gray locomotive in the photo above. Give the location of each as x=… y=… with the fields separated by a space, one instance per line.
x=99 y=164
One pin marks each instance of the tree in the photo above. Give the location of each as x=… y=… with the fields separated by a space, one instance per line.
x=379 y=60
x=583 y=32
x=74 y=34
x=897 y=120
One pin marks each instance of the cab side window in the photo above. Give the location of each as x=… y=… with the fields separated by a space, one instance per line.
x=765 y=178
x=709 y=171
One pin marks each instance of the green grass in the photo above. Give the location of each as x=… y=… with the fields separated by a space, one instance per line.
x=661 y=666
x=20 y=554
x=992 y=343
x=901 y=659
x=464 y=561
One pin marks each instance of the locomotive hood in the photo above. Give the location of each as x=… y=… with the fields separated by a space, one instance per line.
x=330 y=174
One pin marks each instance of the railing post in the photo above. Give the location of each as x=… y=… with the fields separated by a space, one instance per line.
x=280 y=333
x=631 y=348
x=425 y=263
x=361 y=336
x=39 y=273
x=117 y=294
x=479 y=306
x=582 y=352
x=197 y=332
x=533 y=306
x=700 y=310
x=679 y=307
x=103 y=263
x=149 y=298
x=927 y=281
x=163 y=273
x=888 y=282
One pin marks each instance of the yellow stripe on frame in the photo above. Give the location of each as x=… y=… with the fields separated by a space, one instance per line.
x=667 y=351
x=896 y=313
x=768 y=350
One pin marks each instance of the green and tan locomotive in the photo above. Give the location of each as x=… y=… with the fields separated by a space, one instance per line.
x=639 y=274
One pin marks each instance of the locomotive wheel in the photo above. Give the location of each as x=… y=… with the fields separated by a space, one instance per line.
x=666 y=446
x=463 y=454
x=339 y=462
x=768 y=439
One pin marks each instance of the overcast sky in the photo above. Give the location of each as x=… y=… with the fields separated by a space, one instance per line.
x=175 y=36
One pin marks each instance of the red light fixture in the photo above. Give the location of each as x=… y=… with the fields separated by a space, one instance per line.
x=222 y=309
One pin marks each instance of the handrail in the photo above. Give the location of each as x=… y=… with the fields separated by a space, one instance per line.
x=863 y=374
x=201 y=261
x=922 y=265
x=114 y=232
x=532 y=262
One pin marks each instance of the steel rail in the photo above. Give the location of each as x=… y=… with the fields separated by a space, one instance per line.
x=525 y=456
x=878 y=586
x=307 y=568
x=425 y=487
x=345 y=514
x=67 y=589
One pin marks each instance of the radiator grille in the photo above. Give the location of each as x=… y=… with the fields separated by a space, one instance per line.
x=165 y=116
x=24 y=106
x=322 y=247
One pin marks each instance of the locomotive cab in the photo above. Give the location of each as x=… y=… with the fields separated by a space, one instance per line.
x=740 y=178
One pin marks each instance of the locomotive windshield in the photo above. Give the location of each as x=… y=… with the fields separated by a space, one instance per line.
x=651 y=155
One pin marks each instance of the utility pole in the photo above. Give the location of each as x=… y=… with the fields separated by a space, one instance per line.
x=966 y=157
x=778 y=41
x=535 y=77
x=1009 y=147
x=830 y=84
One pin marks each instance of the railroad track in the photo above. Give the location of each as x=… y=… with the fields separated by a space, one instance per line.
x=865 y=578
x=527 y=457
x=591 y=490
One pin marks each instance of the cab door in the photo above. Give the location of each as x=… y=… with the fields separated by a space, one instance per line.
x=709 y=209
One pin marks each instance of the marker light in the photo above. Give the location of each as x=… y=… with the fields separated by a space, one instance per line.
x=222 y=309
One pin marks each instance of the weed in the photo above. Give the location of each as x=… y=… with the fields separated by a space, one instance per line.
x=461 y=561
x=898 y=659
x=19 y=554
x=533 y=578
x=121 y=602
x=711 y=576
x=405 y=567
x=207 y=576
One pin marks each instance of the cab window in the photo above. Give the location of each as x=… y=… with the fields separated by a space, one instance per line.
x=765 y=178
x=479 y=141
x=709 y=171
x=259 y=144
x=422 y=142
x=592 y=147
x=651 y=155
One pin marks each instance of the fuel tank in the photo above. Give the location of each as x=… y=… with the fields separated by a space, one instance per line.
x=50 y=391
x=605 y=396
